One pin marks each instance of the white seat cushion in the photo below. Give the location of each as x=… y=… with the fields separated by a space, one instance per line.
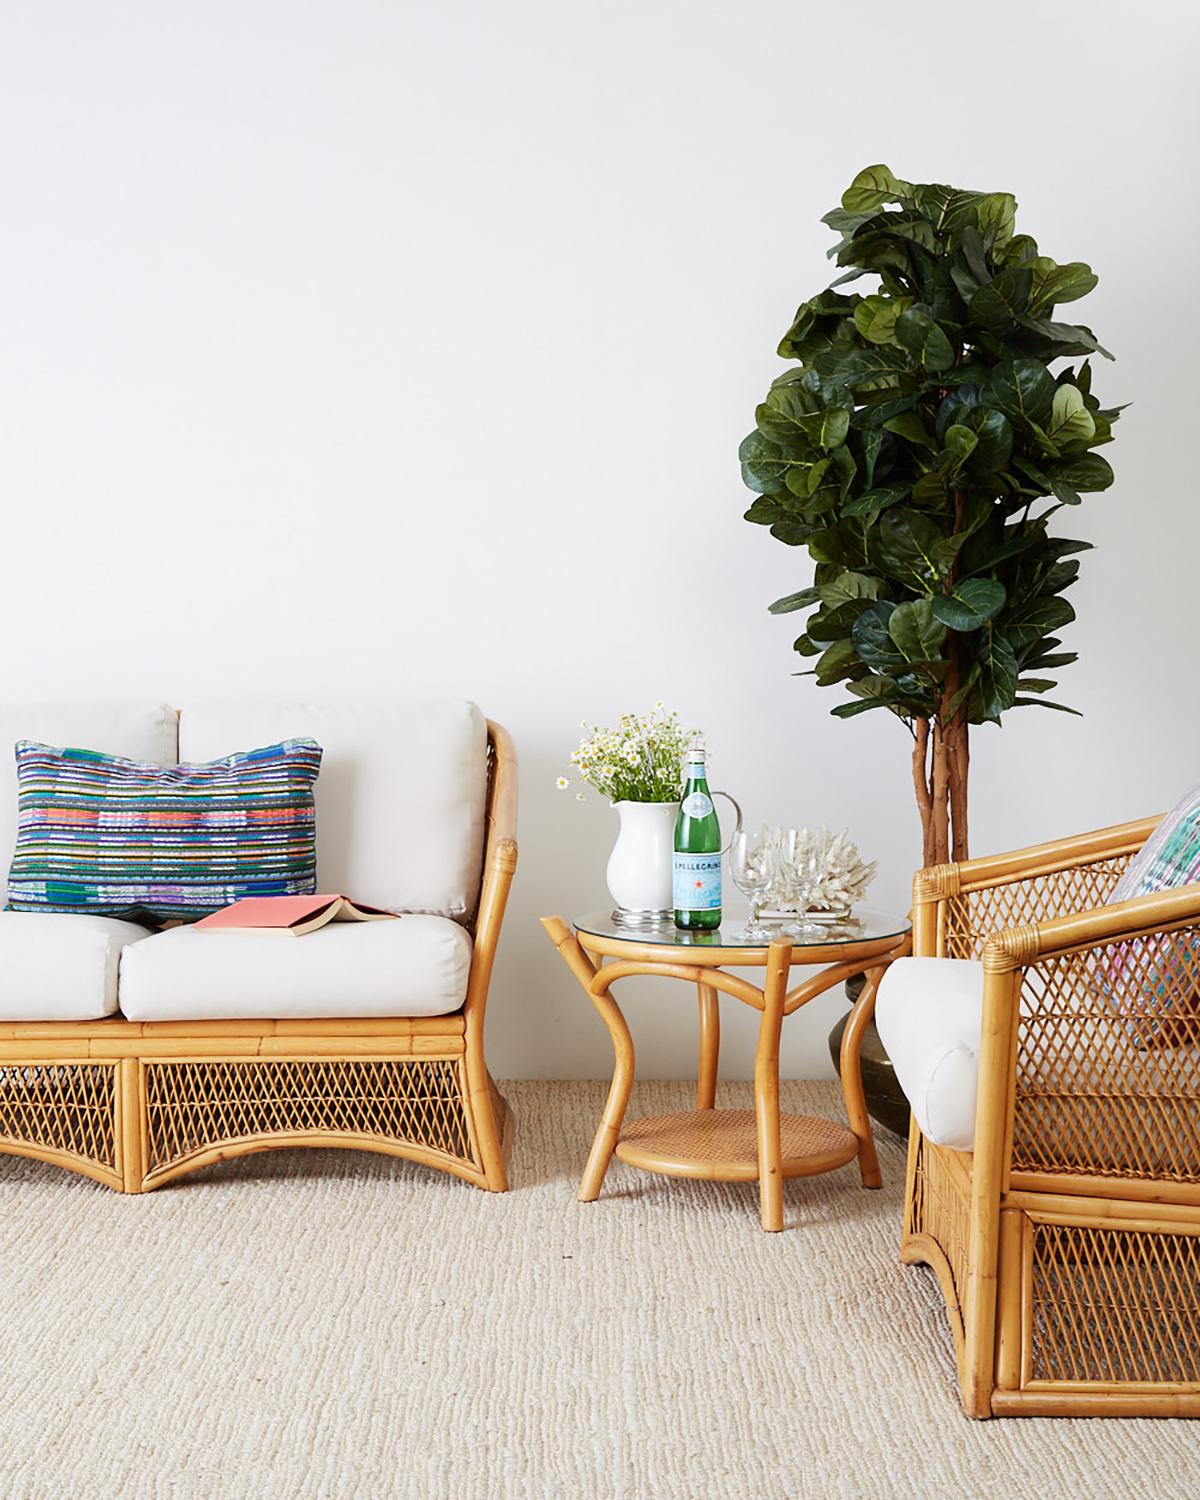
x=929 y=1013
x=414 y=966
x=400 y=798
x=60 y=966
x=139 y=731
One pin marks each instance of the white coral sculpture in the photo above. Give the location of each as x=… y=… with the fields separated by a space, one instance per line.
x=839 y=875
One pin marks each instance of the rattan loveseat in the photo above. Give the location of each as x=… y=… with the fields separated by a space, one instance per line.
x=136 y=1103
x=1067 y=1241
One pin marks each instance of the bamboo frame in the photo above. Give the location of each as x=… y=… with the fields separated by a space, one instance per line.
x=724 y=1145
x=1067 y=1246
x=136 y=1104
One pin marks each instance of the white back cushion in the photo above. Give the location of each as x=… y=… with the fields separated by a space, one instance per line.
x=400 y=797
x=139 y=731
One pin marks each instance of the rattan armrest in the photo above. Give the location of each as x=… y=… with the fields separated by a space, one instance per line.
x=939 y=881
x=1015 y=947
x=957 y=907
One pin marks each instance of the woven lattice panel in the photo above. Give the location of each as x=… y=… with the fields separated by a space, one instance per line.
x=64 y=1106
x=191 y=1105
x=1115 y=1305
x=1108 y=1062
x=973 y=916
x=941 y=1210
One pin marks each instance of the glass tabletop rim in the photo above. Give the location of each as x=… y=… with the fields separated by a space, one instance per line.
x=885 y=924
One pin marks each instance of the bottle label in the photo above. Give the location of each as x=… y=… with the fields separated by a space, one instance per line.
x=697 y=805
x=697 y=882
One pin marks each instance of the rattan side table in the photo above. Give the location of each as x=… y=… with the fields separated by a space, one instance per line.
x=761 y=1145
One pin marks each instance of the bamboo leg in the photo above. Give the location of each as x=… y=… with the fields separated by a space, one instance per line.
x=129 y=1124
x=852 y=1084
x=609 y=1131
x=710 y=1047
x=766 y=1086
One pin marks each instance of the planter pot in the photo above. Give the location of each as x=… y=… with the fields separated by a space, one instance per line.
x=885 y=1098
x=639 y=868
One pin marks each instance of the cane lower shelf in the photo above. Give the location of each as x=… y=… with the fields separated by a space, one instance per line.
x=721 y=1145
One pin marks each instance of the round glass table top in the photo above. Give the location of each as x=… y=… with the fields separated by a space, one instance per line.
x=864 y=926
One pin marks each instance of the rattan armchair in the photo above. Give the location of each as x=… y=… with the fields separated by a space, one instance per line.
x=1067 y=1244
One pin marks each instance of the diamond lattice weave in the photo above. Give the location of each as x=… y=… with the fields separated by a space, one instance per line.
x=66 y=1106
x=191 y=1105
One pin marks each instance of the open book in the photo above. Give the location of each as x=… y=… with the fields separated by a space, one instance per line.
x=288 y=916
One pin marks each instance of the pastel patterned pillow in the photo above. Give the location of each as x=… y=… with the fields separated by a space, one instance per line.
x=125 y=838
x=1164 y=971
x=1170 y=857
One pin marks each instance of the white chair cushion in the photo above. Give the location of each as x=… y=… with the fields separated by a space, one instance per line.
x=415 y=966
x=400 y=798
x=60 y=966
x=140 y=731
x=929 y=1013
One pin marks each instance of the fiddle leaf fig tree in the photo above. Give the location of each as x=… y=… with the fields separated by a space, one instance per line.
x=919 y=444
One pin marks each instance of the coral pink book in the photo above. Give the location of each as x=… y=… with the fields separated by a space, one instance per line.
x=288 y=916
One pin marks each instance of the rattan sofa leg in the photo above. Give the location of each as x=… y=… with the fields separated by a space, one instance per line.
x=131 y=1124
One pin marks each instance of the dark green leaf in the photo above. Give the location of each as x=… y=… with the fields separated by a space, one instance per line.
x=858 y=368
x=872 y=641
x=971 y=603
x=765 y=466
x=995 y=439
x=924 y=339
x=873 y=187
x=918 y=634
x=1023 y=387
x=930 y=489
x=1066 y=283
x=960 y=443
x=997 y=683
x=910 y=426
x=834 y=623
x=850 y=585
x=1060 y=708
x=1088 y=472
x=858 y=706
x=791 y=602
x=871 y=502
x=1057 y=339
x=837 y=663
x=1028 y=621
x=999 y=304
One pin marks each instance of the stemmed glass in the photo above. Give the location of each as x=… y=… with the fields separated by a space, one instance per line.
x=795 y=880
x=804 y=884
x=750 y=869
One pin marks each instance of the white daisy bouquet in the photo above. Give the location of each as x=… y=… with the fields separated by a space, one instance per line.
x=640 y=760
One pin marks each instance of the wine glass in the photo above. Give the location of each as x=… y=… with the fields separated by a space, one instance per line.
x=801 y=876
x=750 y=869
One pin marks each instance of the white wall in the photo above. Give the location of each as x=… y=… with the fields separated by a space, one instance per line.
x=367 y=349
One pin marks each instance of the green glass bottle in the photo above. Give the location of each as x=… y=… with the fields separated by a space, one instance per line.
x=697 y=862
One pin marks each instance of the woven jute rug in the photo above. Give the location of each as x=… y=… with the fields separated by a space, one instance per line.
x=332 y=1324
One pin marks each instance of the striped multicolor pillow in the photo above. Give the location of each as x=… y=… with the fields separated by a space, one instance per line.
x=124 y=838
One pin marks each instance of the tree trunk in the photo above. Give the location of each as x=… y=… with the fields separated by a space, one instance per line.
x=940 y=766
x=941 y=754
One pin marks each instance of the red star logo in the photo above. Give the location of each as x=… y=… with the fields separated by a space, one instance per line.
x=699 y=885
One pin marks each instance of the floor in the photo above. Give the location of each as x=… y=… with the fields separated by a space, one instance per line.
x=329 y=1324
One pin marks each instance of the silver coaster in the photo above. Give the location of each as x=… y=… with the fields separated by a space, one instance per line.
x=632 y=917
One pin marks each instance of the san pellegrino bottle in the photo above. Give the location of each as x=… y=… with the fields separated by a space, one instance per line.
x=697 y=862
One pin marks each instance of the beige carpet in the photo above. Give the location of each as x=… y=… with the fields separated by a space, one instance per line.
x=329 y=1324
